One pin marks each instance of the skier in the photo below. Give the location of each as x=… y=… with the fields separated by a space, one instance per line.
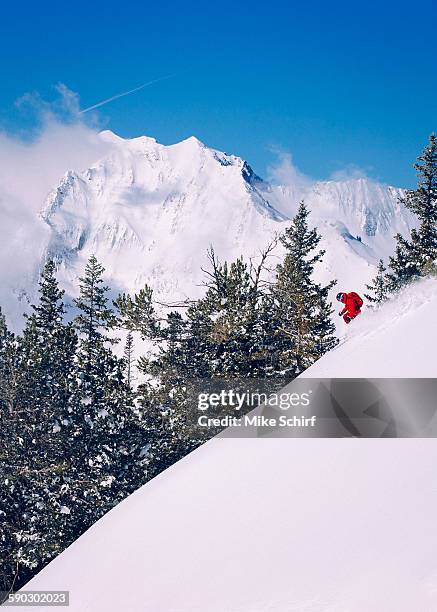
x=352 y=305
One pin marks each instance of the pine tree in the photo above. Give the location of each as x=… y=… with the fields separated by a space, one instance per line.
x=39 y=455
x=301 y=309
x=218 y=336
x=416 y=257
x=230 y=304
x=402 y=265
x=378 y=288
x=231 y=325
x=95 y=319
x=72 y=444
x=324 y=328
x=111 y=440
x=423 y=202
x=138 y=313
x=161 y=397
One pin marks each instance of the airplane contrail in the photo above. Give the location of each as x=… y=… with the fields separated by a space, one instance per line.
x=125 y=93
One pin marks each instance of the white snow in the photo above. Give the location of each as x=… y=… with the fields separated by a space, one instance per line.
x=256 y=525
x=280 y=525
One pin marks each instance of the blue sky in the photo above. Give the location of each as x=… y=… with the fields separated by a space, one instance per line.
x=339 y=85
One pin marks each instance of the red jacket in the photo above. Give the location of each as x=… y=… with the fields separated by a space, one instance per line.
x=352 y=304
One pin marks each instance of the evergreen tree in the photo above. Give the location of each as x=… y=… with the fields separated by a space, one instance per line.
x=229 y=342
x=416 y=257
x=378 y=288
x=324 y=328
x=94 y=322
x=403 y=265
x=38 y=466
x=111 y=440
x=161 y=398
x=300 y=306
x=71 y=444
x=231 y=326
x=423 y=202
x=137 y=313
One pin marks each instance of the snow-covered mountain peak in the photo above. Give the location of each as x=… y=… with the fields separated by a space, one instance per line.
x=149 y=212
x=191 y=141
x=111 y=137
x=190 y=149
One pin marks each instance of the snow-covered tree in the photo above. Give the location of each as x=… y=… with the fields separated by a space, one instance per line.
x=230 y=341
x=300 y=305
x=137 y=313
x=402 y=265
x=111 y=439
x=416 y=257
x=95 y=319
x=161 y=396
x=324 y=328
x=39 y=445
x=423 y=202
x=378 y=289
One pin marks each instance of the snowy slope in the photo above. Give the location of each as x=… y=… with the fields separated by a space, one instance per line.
x=395 y=341
x=284 y=525
x=149 y=212
x=257 y=525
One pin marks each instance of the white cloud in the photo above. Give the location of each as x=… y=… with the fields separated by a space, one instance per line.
x=284 y=172
x=293 y=185
x=32 y=164
x=349 y=172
